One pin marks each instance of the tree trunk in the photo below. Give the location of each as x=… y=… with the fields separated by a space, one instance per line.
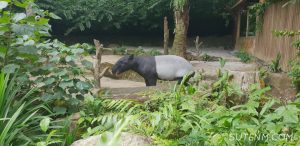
x=166 y=36
x=97 y=70
x=181 y=28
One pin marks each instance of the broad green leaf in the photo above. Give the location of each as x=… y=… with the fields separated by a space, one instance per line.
x=290 y=113
x=28 y=49
x=47 y=97
x=83 y=85
x=61 y=73
x=41 y=144
x=77 y=51
x=11 y=68
x=44 y=124
x=49 y=81
x=70 y=58
x=3 y=4
x=3 y=50
x=19 y=16
x=23 y=29
x=54 y=16
x=87 y=64
x=64 y=85
x=60 y=110
x=29 y=43
x=267 y=106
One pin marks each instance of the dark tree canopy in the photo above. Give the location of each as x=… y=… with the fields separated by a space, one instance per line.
x=144 y=15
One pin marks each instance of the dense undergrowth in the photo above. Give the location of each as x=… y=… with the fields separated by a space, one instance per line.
x=188 y=116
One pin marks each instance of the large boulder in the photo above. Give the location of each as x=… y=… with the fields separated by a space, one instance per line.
x=281 y=86
x=127 y=139
x=243 y=74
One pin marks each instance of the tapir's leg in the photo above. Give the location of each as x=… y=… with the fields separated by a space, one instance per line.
x=147 y=82
x=179 y=80
x=151 y=81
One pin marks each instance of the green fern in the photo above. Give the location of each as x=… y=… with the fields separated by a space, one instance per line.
x=275 y=65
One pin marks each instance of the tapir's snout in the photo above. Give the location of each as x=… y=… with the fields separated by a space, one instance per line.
x=115 y=70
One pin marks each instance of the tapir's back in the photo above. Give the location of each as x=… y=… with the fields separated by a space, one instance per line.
x=170 y=67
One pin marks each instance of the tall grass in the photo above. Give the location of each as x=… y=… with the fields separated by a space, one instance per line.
x=19 y=113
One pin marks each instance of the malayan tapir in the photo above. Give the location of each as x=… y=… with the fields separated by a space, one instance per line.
x=164 y=67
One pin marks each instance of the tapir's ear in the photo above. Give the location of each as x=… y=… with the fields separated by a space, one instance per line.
x=131 y=56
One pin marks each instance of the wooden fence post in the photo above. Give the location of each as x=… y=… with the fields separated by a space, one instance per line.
x=97 y=70
x=166 y=36
x=197 y=45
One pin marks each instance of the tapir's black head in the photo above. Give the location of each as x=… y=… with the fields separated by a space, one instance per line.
x=124 y=64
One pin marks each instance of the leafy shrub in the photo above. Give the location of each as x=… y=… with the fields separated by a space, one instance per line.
x=294 y=73
x=139 y=51
x=222 y=62
x=275 y=65
x=243 y=55
x=180 y=117
x=206 y=57
x=119 y=51
x=50 y=65
x=20 y=113
x=154 y=52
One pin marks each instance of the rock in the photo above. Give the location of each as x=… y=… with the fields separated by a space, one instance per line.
x=245 y=79
x=243 y=74
x=127 y=139
x=281 y=86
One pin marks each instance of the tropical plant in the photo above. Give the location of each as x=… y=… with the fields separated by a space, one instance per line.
x=182 y=117
x=81 y=14
x=294 y=71
x=275 y=65
x=243 y=55
x=206 y=57
x=222 y=62
x=154 y=52
x=119 y=51
x=50 y=65
x=20 y=112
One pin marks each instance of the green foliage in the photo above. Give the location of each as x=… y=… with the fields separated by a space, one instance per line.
x=20 y=112
x=294 y=73
x=119 y=51
x=139 y=51
x=206 y=57
x=275 y=65
x=154 y=52
x=243 y=55
x=180 y=4
x=81 y=14
x=142 y=52
x=294 y=70
x=222 y=62
x=50 y=65
x=179 y=117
